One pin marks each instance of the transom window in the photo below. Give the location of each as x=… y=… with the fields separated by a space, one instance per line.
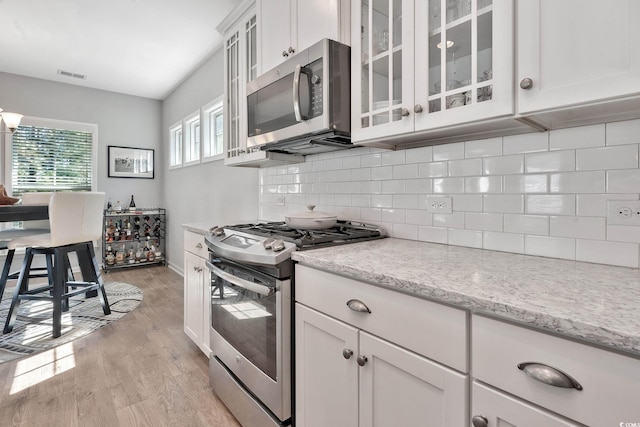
x=176 y=145
x=198 y=137
x=213 y=131
x=191 y=139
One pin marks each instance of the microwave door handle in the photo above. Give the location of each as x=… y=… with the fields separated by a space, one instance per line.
x=296 y=92
x=250 y=286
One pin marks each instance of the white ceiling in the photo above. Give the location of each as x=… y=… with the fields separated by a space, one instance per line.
x=138 y=47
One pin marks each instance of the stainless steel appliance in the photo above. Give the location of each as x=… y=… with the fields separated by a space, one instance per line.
x=251 y=313
x=303 y=105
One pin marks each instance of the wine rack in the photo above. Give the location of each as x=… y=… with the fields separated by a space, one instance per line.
x=133 y=237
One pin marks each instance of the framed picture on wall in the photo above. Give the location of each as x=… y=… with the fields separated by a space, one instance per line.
x=129 y=162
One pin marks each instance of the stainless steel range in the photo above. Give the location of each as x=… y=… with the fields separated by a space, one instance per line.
x=251 y=312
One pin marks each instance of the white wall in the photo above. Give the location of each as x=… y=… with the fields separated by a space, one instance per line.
x=539 y=194
x=209 y=193
x=124 y=120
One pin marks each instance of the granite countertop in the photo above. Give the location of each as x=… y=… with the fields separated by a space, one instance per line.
x=590 y=302
x=199 y=228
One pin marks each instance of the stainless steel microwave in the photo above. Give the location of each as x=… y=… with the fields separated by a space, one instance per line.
x=303 y=106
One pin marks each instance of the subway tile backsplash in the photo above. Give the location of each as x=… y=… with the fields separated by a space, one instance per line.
x=542 y=194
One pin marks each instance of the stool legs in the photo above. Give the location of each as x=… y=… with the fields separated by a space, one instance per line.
x=5 y=271
x=21 y=286
x=57 y=271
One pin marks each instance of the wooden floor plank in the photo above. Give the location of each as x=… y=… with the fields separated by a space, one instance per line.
x=142 y=370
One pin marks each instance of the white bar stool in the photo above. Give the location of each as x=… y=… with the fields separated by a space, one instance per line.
x=75 y=219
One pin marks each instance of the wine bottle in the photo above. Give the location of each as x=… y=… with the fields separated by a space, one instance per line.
x=132 y=204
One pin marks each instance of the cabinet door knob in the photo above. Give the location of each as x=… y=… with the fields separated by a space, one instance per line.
x=357 y=305
x=404 y=112
x=347 y=353
x=284 y=54
x=479 y=421
x=199 y=246
x=362 y=360
x=526 y=83
x=417 y=108
x=291 y=50
x=549 y=375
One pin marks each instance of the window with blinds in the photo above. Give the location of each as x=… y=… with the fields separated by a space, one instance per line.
x=49 y=159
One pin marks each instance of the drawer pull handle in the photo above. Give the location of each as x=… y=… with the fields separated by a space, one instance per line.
x=549 y=375
x=357 y=305
x=199 y=246
x=347 y=353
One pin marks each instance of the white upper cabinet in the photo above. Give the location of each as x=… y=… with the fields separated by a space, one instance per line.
x=575 y=53
x=240 y=30
x=435 y=71
x=289 y=26
x=464 y=61
x=432 y=64
x=241 y=66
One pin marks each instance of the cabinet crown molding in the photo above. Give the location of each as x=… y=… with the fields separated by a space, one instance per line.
x=234 y=16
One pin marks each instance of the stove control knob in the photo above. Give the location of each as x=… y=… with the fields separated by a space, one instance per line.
x=267 y=243
x=277 y=245
x=218 y=231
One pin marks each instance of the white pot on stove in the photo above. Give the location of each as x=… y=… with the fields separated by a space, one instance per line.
x=311 y=220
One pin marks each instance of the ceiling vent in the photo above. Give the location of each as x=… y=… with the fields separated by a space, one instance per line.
x=70 y=74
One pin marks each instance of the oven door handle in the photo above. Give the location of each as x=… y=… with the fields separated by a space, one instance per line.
x=250 y=286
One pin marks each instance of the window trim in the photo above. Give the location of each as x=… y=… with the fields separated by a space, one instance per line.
x=172 y=144
x=188 y=136
x=91 y=128
x=213 y=106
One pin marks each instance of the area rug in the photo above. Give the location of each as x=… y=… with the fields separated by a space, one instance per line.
x=32 y=330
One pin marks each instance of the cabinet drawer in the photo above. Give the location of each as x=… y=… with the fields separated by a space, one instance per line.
x=500 y=409
x=194 y=243
x=609 y=380
x=433 y=330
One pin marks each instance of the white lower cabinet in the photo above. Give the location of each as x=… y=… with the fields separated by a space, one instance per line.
x=588 y=385
x=493 y=408
x=196 y=291
x=401 y=388
x=326 y=381
x=347 y=377
x=366 y=355
x=357 y=359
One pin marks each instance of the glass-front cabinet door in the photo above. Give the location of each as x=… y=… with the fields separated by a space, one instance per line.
x=382 y=67
x=241 y=66
x=428 y=64
x=464 y=61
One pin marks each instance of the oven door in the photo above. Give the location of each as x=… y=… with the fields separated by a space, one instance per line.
x=250 y=331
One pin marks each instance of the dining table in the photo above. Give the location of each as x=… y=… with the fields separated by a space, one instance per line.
x=11 y=213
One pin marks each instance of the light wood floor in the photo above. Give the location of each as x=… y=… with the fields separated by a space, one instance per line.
x=139 y=371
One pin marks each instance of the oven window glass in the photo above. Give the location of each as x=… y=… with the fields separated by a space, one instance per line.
x=245 y=319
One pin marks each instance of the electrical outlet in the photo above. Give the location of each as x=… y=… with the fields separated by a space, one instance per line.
x=280 y=200
x=439 y=204
x=623 y=212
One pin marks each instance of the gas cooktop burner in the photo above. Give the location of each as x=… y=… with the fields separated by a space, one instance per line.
x=342 y=232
